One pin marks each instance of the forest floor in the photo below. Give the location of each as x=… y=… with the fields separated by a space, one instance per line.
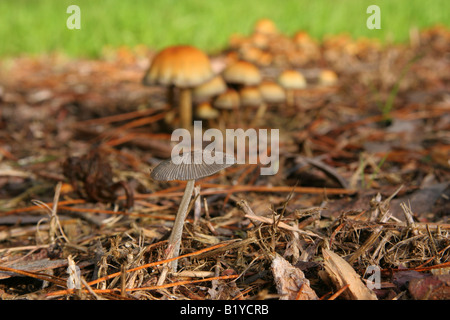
x=362 y=186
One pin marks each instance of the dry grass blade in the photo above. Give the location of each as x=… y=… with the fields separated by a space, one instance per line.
x=118 y=290
x=149 y=265
x=228 y=246
x=54 y=220
x=282 y=225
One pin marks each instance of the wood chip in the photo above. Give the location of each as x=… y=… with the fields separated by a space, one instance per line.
x=290 y=281
x=341 y=274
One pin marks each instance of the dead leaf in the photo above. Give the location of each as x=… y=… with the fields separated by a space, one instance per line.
x=430 y=288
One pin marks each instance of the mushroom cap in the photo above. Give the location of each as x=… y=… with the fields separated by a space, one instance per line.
x=242 y=72
x=228 y=100
x=328 y=77
x=250 y=53
x=193 y=165
x=205 y=111
x=183 y=66
x=265 y=26
x=301 y=37
x=250 y=97
x=271 y=92
x=260 y=40
x=209 y=89
x=292 y=79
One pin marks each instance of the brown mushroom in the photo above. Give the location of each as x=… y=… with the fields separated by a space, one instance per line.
x=291 y=80
x=272 y=94
x=184 y=67
x=209 y=89
x=242 y=73
x=251 y=99
x=327 y=78
x=265 y=26
x=227 y=102
x=189 y=167
x=307 y=47
x=205 y=111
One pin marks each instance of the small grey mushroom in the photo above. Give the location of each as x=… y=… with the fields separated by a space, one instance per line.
x=188 y=167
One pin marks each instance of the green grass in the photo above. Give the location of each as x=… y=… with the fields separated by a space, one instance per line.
x=39 y=26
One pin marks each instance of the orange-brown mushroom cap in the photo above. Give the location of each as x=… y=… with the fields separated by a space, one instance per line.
x=183 y=66
x=209 y=89
x=228 y=100
x=242 y=73
x=250 y=97
x=271 y=92
x=292 y=79
x=328 y=77
x=265 y=26
x=205 y=111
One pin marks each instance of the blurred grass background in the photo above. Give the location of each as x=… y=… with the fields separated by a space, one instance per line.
x=39 y=26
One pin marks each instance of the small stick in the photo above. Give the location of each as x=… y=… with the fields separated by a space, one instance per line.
x=123 y=281
x=339 y=292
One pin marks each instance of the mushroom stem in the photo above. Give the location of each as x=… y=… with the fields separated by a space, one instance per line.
x=290 y=98
x=186 y=108
x=177 y=231
x=260 y=113
x=174 y=243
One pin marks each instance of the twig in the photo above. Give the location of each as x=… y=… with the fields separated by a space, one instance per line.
x=36 y=207
x=339 y=292
x=221 y=189
x=117 y=117
x=243 y=205
x=40 y=276
x=129 y=125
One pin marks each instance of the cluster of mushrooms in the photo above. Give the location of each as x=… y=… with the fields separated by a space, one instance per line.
x=240 y=85
x=209 y=95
